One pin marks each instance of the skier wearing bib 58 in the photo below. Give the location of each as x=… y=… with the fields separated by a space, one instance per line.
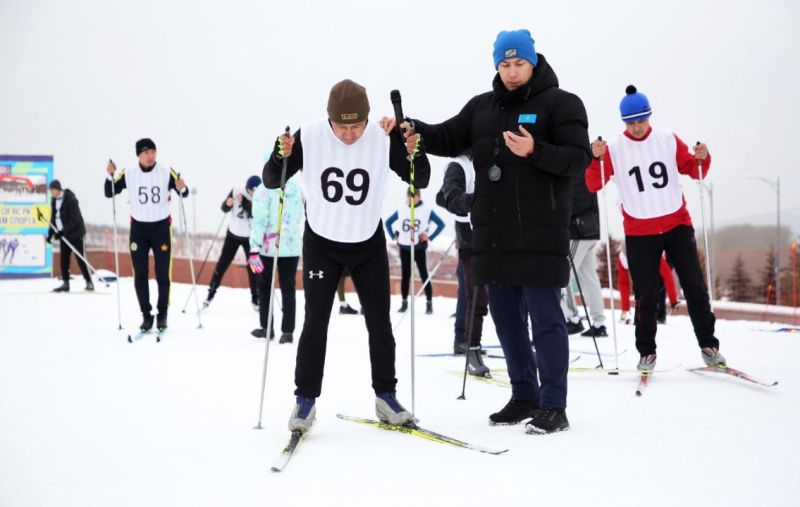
x=345 y=162
x=646 y=164
x=149 y=184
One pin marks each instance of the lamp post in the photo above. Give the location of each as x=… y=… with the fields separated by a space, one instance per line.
x=776 y=186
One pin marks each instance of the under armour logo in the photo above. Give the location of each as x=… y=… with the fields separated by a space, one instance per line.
x=319 y=274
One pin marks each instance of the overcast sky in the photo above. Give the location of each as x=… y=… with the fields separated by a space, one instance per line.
x=213 y=83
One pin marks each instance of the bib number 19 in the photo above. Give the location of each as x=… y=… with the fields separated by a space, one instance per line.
x=658 y=171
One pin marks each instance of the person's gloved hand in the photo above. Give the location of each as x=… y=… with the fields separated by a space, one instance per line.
x=254 y=261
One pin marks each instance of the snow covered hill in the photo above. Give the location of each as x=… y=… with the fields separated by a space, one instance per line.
x=87 y=419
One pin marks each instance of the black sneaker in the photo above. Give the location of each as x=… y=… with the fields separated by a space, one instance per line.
x=596 y=331
x=286 y=338
x=161 y=321
x=514 y=412
x=346 y=309
x=429 y=307
x=89 y=285
x=147 y=323
x=403 y=306
x=64 y=287
x=260 y=332
x=547 y=420
x=574 y=327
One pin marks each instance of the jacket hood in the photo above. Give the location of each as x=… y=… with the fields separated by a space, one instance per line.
x=544 y=77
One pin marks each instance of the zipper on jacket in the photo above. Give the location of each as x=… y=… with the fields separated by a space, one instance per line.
x=552 y=195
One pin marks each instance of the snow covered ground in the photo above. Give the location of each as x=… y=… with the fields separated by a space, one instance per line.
x=87 y=419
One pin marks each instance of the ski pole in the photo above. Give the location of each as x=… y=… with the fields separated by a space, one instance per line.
x=70 y=245
x=608 y=255
x=427 y=281
x=203 y=265
x=191 y=255
x=705 y=234
x=583 y=303
x=116 y=253
x=281 y=196
x=397 y=103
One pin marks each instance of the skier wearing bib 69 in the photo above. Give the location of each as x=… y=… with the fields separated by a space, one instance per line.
x=345 y=161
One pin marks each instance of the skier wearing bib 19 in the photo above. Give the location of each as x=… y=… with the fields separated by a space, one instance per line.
x=646 y=164
x=149 y=184
x=346 y=161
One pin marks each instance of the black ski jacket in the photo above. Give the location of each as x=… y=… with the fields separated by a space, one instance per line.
x=521 y=223
x=585 y=216
x=453 y=197
x=73 y=227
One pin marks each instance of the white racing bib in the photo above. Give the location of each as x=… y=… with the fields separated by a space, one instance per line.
x=239 y=222
x=469 y=180
x=422 y=217
x=344 y=186
x=646 y=174
x=148 y=192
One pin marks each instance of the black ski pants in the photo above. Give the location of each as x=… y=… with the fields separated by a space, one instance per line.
x=421 y=259
x=155 y=236
x=466 y=290
x=323 y=263
x=66 y=256
x=287 y=268
x=229 y=247
x=644 y=258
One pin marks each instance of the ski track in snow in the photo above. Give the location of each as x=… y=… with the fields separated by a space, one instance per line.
x=87 y=419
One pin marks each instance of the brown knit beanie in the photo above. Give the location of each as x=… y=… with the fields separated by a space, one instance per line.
x=348 y=102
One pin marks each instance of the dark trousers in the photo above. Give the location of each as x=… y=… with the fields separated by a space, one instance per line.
x=155 y=236
x=421 y=259
x=323 y=263
x=229 y=247
x=287 y=267
x=464 y=302
x=644 y=258
x=66 y=255
x=551 y=360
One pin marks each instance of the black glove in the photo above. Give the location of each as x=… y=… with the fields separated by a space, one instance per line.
x=58 y=234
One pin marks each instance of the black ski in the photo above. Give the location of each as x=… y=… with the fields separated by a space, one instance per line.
x=288 y=451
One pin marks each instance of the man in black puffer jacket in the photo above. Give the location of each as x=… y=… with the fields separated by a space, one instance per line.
x=68 y=221
x=528 y=139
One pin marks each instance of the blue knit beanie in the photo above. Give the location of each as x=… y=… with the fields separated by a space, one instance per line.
x=252 y=182
x=634 y=106
x=514 y=44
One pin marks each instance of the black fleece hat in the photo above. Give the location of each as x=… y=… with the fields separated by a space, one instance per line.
x=144 y=145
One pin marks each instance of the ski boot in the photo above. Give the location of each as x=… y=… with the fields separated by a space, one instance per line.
x=305 y=410
x=161 y=321
x=346 y=309
x=712 y=357
x=403 y=306
x=475 y=366
x=390 y=411
x=64 y=287
x=286 y=338
x=147 y=323
x=647 y=363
